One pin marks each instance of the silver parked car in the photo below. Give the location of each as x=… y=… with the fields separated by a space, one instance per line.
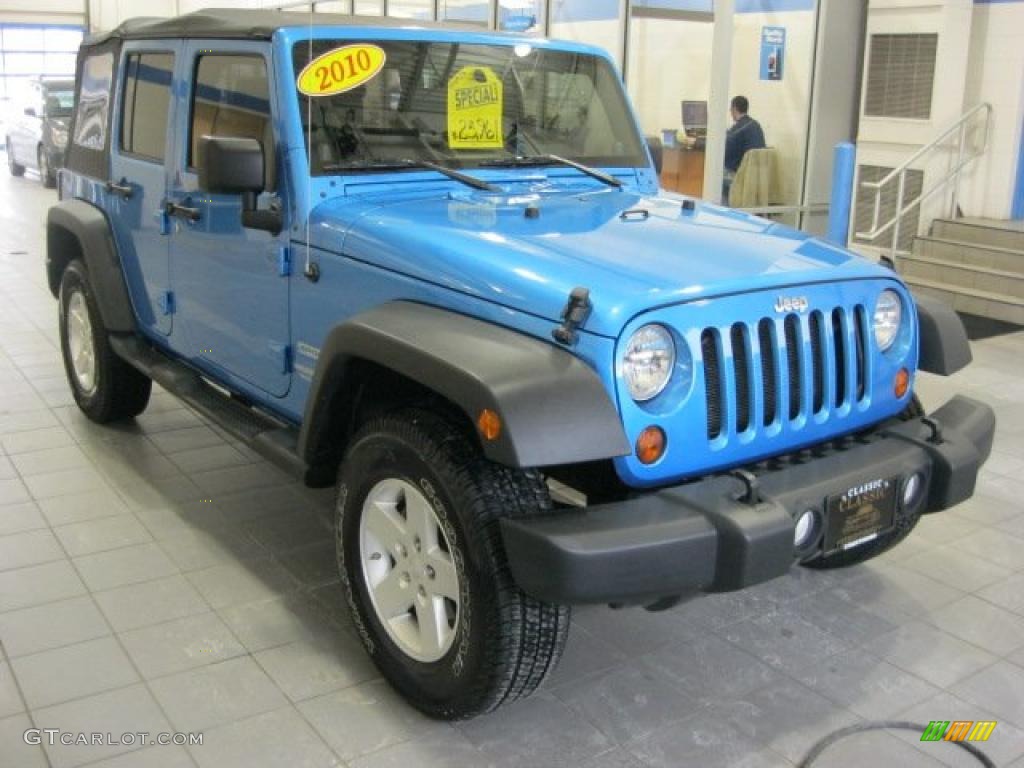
x=37 y=134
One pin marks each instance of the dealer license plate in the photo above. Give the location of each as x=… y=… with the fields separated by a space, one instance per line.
x=861 y=514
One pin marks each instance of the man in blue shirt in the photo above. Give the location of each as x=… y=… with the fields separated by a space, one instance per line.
x=744 y=134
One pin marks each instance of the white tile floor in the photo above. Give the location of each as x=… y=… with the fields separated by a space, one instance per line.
x=158 y=577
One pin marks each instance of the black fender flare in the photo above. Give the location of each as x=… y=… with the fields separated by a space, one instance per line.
x=944 y=347
x=74 y=226
x=553 y=407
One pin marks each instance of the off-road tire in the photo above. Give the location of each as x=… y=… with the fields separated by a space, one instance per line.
x=506 y=643
x=46 y=173
x=15 y=169
x=905 y=522
x=120 y=392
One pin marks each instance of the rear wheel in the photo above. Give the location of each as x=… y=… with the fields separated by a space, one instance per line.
x=105 y=387
x=46 y=174
x=15 y=169
x=906 y=521
x=424 y=571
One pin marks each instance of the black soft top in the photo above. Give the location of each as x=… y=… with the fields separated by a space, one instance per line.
x=241 y=24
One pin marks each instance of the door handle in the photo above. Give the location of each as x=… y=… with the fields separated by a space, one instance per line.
x=181 y=211
x=120 y=188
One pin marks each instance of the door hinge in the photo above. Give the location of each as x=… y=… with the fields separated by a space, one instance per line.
x=166 y=302
x=283 y=352
x=284 y=261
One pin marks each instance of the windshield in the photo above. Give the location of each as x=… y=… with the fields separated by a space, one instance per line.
x=392 y=102
x=59 y=103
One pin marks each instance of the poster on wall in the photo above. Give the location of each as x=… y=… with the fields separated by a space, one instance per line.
x=773 y=52
x=520 y=16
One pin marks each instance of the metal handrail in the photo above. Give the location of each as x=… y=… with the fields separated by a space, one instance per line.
x=773 y=210
x=960 y=128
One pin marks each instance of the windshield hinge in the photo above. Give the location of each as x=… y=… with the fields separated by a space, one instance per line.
x=577 y=310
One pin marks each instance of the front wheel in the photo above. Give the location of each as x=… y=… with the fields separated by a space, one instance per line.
x=105 y=387
x=424 y=570
x=12 y=164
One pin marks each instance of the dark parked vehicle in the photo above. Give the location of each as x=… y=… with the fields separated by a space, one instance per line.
x=37 y=135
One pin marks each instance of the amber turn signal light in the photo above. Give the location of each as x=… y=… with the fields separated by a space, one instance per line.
x=489 y=424
x=902 y=382
x=650 y=446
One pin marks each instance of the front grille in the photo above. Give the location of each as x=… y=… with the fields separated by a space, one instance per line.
x=808 y=364
x=712 y=381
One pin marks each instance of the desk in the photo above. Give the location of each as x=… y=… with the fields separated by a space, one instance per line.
x=682 y=170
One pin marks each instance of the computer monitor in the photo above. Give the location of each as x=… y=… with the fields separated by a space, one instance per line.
x=695 y=118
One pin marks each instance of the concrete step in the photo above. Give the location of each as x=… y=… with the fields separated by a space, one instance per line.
x=970 y=254
x=1002 y=234
x=987 y=279
x=971 y=300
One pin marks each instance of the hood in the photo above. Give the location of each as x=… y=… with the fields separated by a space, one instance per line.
x=633 y=252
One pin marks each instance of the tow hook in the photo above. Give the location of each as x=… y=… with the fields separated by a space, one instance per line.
x=752 y=488
x=936 y=428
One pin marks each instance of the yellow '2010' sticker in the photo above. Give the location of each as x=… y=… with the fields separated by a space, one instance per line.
x=475 y=99
x=341 y=69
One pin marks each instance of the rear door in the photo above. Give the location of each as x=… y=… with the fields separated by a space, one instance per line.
x=142 y=141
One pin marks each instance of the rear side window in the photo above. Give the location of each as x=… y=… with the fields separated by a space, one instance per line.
x=147 y=99
x=91 y=117
x=231 y=97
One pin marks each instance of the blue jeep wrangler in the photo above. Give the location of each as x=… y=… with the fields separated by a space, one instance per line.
x=433 y=267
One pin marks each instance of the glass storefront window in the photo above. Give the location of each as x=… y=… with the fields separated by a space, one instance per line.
x=18 y=38
x=411 y=9
x=466 y=11
x=367 y=7
x=595 y=22
x=669 y=65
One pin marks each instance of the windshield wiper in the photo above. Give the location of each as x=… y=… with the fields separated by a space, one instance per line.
x=451 y=173
x=601 y=176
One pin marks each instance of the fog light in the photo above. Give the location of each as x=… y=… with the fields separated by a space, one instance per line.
x=902 y=383
x=650 y=446
x=912 y=489
x=805 y=528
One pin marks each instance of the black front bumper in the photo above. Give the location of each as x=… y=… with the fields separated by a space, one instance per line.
x=710 y=536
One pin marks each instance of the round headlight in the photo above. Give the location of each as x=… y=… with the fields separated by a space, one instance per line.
x=888 y=316
x=647 y=364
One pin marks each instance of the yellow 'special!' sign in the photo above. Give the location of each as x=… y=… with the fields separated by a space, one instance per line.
x=341 y=69
x=475 y=99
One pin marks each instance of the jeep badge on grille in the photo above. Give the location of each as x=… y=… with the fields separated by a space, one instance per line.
x=791 y=304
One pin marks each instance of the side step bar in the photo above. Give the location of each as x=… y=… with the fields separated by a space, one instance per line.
x=276 y=442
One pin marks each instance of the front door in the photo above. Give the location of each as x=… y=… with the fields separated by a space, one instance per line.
x=141 y=142
x=230 y=288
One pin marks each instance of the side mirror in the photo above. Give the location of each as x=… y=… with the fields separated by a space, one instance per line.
x=232 y=166
x=657 y=152
x=30 y=111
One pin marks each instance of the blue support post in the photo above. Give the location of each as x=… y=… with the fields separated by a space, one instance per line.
x=843 y=169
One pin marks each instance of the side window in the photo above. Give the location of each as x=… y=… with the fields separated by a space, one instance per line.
x=147 y=99
x=231 y=97
x=94 y=101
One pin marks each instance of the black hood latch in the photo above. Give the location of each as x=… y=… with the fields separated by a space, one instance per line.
x=577 y=310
